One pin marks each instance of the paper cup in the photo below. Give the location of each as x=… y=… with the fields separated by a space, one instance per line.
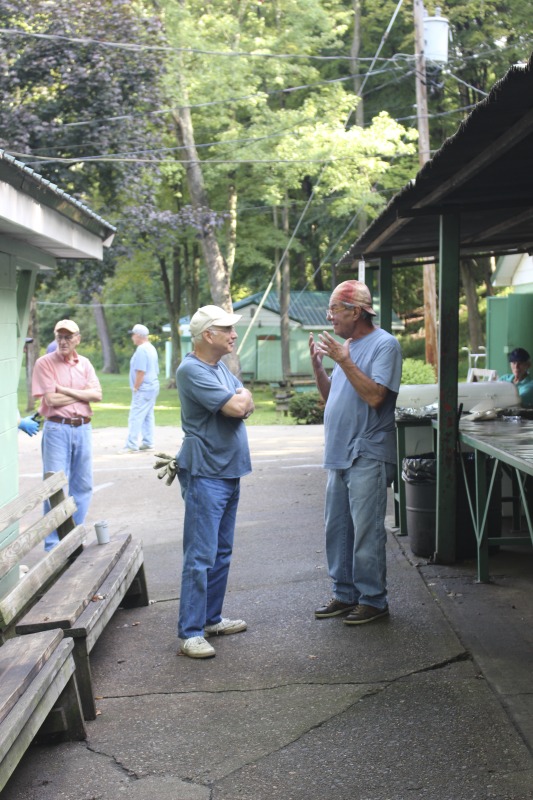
x=102 y=531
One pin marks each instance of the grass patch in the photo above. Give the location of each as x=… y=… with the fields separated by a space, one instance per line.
x=114 y=409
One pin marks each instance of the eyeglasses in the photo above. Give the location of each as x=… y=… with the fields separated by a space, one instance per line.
x=69 y=338
x=337 y=309
x=227 y=329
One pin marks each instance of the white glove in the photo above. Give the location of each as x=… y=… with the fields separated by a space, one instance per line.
x=166 y=467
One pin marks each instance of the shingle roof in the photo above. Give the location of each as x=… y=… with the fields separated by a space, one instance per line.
x=20 y=176
x=307 y=308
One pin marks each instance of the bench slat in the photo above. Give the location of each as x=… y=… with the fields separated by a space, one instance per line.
x=12 y=604
x=74 y=590
x=93 y=620
x=30 y=499
x=20 y=661
x=14 y=552
x=53 y=687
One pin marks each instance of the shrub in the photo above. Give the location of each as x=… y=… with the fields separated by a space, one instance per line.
x=307 y=407
x=415 y=371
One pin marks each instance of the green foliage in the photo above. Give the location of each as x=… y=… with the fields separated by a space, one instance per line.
x=414 y=372
x=413 y=344
x=307 y=407
x=272 y=93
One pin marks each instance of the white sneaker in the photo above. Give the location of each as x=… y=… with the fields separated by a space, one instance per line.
x=125 y=450
x=225 y=627
x=196 y=647
x=146 y=447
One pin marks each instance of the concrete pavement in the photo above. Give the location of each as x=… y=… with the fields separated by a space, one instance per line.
x=425 y=704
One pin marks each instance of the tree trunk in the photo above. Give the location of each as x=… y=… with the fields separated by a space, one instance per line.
x=475 y=330
x=232 y=238
x=284 y=302
x=110 y=365
x=172 y=294
x=430 y=314
x=354 y=56
x=362 y=220
x=217 y=269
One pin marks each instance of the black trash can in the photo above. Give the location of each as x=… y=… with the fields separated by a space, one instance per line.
x=419 y=474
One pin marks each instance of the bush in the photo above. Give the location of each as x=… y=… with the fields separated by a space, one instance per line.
x=414 y=371
x=307 y=407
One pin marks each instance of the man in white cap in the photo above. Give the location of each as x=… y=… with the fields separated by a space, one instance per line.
x=214 y=455
x=144 y=384
x=67 y=384
x=360 y=451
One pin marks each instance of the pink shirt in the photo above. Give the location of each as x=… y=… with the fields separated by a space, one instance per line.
x=52 y=370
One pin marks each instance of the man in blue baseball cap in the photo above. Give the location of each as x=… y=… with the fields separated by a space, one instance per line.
x=520 y=362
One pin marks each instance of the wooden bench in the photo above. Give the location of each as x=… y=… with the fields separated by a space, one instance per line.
x=38 y=691
x=76 y=587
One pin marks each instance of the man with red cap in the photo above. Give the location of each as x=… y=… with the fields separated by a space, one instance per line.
x=67 y=384
x=360 y=451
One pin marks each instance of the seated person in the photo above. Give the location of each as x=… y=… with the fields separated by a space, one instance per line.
x=520 y=362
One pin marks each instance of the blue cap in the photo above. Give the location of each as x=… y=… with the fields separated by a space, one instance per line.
x=518 y=355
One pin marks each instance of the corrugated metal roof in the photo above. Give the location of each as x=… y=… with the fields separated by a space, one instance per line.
x=482 y=173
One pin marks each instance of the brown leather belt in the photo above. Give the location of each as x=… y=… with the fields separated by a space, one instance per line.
x=74 y=422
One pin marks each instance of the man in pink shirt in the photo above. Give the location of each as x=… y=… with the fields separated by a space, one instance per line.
x=67 y=383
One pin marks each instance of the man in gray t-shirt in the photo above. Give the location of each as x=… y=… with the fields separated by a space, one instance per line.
x=214 y=455
x=360 y=451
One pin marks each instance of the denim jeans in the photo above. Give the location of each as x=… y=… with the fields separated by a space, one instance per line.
x=70 y=450
x=356 y=502
x=141 y=420
x=208 y=532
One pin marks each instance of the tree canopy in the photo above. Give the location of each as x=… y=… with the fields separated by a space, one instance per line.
x=222 y=138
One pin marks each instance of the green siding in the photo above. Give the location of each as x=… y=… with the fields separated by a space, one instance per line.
x=8 y=383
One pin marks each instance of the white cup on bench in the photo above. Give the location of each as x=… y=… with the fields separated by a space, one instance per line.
x=102 y=531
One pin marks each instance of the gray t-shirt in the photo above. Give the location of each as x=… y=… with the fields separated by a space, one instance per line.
x=214 y=446
x=145 y=359
x=351 y=427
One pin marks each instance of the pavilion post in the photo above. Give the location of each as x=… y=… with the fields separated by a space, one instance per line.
x=449 y=246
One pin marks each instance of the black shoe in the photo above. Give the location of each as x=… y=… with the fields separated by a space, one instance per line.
x=362 y=614
x=333 y=609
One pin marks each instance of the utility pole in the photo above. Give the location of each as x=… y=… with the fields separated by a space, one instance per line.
x=430 y=293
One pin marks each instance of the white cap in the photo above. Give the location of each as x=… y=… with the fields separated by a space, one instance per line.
x=66 y=325
x=211 y=315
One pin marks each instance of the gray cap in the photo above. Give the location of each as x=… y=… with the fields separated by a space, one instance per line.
x=140 y=330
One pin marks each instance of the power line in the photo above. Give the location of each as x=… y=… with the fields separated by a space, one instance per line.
x=169 y=49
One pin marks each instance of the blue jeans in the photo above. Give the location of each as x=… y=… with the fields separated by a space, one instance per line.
x=141 y=420
x=70 y=450
x=208 y=532
x=356 y=503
